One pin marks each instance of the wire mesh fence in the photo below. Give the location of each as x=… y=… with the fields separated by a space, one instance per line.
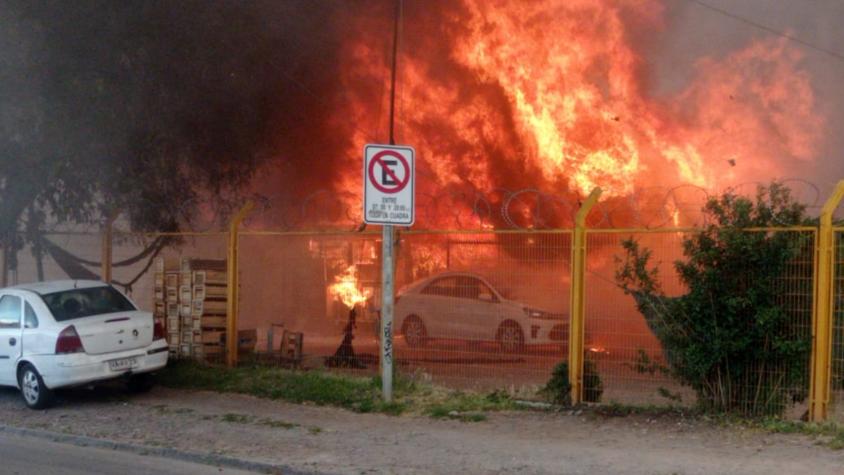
x=324 y=286
x=629 y=337
x=482 y=310
x=628 y=357
x=837 y=384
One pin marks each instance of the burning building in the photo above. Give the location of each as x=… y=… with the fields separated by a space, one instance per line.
x=553 y=98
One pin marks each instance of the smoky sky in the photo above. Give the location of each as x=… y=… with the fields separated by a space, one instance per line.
x=219 y=80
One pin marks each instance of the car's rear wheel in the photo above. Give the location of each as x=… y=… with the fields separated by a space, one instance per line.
x=510 y=337
x=35 y=394
x=140 y=383
x=414 y=331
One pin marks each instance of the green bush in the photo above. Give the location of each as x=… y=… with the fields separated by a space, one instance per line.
x=734 y=337
x=558 y=389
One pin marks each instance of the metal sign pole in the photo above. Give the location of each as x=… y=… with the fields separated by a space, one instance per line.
x=387 y=280
x=387 y=277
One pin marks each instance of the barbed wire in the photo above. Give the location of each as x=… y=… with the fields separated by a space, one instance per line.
x=525 y=208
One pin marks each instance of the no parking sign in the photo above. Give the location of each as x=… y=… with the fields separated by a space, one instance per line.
x=388 y=184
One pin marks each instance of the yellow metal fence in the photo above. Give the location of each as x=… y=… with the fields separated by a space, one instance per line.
x=488 y=309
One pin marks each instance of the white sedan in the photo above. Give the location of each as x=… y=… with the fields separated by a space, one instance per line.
x=461 y=305
x=71 y=333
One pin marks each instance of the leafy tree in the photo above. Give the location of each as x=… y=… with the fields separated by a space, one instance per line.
x=163 y=110
x=735 y=337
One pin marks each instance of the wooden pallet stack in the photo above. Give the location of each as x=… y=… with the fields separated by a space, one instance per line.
x=209 y=307
x=191 y=294
x=166 y=298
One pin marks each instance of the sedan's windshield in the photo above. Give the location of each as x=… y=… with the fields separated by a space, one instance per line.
x=80 y=303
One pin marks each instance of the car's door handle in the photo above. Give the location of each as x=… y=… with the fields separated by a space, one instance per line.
x=12 y=341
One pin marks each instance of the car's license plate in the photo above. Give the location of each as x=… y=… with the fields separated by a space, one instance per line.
x=123 y=363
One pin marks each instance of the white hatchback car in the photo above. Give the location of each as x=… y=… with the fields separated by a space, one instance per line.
x=71 y=333
x=465 y=306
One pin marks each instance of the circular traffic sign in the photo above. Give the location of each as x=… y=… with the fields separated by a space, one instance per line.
x=397 y=185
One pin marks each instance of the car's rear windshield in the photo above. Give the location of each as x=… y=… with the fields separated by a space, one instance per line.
x=80 y=303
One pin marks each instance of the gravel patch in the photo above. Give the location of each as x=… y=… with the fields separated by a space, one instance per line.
x=329 y=440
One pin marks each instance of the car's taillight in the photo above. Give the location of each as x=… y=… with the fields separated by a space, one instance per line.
x=158 y=331
x=69 y=342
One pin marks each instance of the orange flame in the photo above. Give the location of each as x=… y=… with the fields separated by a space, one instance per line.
x=555 y=94
x=598 y=349
x=345 y=288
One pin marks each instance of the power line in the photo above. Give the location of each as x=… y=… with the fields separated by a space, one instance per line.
x=760 y=26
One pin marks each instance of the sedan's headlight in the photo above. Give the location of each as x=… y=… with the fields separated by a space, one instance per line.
x=540 y=314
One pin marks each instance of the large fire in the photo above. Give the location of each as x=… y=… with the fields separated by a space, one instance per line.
x=557 y=95
x=346 y=289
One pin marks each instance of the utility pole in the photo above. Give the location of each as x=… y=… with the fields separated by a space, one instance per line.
x=387 y=251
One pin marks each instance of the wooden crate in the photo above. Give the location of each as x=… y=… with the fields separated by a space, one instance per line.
x=164 y=264
x=199 y=292
x=210 y=277
x=159 y=294
x=173 y=324
x=210 y=292
x=213 y=322
x=212 y=337
x=209 y=307
x=218 y=265
x=171 y=295
x=160 y=309
x=291 y=345
x=158 y=280
x=186 y=278
x=196 y=308
x=184 y=310
x=172 y=309
x=215 y=292
x=184 y=349
x=171 y=280
x=173 y=338
x=185 y=294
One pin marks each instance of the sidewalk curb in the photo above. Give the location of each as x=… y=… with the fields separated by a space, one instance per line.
x=164 y=452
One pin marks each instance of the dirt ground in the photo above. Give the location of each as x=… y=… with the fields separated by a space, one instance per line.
x=329 y=440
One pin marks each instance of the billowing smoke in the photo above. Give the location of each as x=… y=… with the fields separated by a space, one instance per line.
x=498 y=96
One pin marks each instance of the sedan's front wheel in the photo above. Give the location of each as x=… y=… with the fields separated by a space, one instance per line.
x=414 y=331
x=35 y=394
x=510 y=337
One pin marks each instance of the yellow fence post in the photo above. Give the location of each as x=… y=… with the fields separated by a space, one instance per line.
x=577 y=310
x=107 y=255
x=233 y=290
x=821 y=373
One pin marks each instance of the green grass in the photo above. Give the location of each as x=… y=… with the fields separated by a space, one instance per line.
x=467 y=407
x=313 y=387
x=327 y=389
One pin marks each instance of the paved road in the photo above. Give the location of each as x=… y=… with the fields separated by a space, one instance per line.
x=25 y=455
